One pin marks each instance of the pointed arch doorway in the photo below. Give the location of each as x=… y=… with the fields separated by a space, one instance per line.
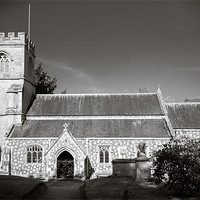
x=65 y=165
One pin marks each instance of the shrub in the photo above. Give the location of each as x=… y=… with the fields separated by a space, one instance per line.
x=177 y=165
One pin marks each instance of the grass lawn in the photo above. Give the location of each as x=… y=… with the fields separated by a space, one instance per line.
x=115 y=187
x=107 y=188
x=15 y=187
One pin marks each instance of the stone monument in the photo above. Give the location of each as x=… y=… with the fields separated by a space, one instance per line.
x=143 y=165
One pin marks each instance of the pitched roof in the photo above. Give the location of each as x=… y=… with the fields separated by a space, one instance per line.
x=184 y=115
x=154 y=128
x=96 y=105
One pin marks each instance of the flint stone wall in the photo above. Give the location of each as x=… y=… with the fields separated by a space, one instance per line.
x=19 y=165
x=118 y=149
x=191 y=133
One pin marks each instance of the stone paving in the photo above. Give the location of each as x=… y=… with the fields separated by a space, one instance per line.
x=63 y=190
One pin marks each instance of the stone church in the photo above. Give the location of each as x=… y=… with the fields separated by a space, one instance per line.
x=70 y=135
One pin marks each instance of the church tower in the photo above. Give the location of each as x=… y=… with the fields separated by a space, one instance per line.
x=17 y=88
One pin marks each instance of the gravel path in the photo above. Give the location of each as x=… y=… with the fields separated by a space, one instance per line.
x=63 y=190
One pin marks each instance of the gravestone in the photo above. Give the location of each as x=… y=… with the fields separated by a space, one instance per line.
x=124 y=167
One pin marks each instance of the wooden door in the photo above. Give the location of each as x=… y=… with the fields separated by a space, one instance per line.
x=65 y=165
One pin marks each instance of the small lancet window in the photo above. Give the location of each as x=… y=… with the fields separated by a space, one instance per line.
x=104 y=154
x=34 y=154
x=4 y=63
x=101 y=156
x=106 y=157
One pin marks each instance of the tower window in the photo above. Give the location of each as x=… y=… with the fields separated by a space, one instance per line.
x=4 y=63
x=104 y=154
x=34 y=154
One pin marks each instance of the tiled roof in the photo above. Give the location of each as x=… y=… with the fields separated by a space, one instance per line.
x=154 y=128
x=184 y=115
x=96 y=105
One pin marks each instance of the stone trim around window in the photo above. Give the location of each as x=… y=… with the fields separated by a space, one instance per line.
x=104 y=156
x=4 y=63
x=34 y=154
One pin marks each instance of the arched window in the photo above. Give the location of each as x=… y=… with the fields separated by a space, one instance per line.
x=101 y=156
x=4 y=63
x=104 y=154
x=34 y=154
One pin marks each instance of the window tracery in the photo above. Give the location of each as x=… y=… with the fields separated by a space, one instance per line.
x=34 y=154
x=4 y=63
x=104 y=154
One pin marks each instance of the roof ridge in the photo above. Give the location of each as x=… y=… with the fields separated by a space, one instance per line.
x=53 y=117
x=97 y=94
x=182 y=103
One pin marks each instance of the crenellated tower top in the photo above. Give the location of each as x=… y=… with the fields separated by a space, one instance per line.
x=12 y=39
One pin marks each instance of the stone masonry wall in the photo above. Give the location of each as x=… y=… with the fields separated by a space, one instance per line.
x=118 y=148
x=19 y=165
x=65 y=143
x=191 y=133
x=15 y=47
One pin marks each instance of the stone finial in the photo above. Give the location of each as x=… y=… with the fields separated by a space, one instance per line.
x=66 y=125
x=159 y=90
x=141 y=150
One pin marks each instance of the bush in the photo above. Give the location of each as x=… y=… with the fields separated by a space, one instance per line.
x=177 y=165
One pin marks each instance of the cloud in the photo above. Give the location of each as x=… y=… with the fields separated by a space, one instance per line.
x=91 y=84
x=78 y=74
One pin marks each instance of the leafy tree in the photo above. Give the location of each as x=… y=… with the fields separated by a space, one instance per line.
x=44 y=83
x=177 y=165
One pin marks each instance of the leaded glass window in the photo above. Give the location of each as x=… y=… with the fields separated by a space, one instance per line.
x=101 y=156
x=34 y=154
x=4 y=63
x=104 y=154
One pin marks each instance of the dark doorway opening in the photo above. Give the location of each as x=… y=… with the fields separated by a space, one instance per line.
x=65 y=166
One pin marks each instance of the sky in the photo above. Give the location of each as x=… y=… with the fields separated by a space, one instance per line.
x=113 y=46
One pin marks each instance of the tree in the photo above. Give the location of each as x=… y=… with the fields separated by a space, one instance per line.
x=44 y=83
x=177 y=165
